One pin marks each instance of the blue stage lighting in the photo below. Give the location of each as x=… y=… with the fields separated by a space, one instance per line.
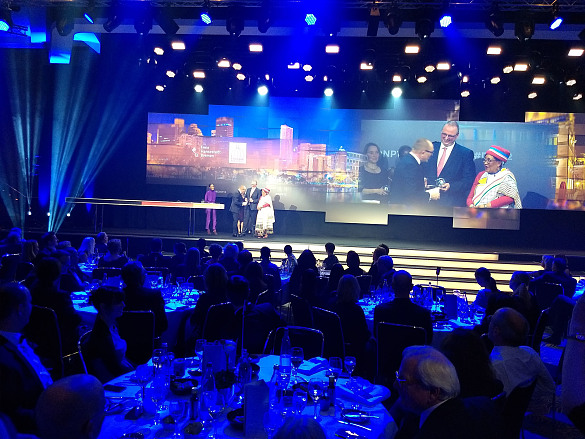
x=555 y=23
x=4 y=26
x=5 y=20
x=310 y=19
x=88 y=17
x=205 y=17
x=262 y=90
x=445 y=20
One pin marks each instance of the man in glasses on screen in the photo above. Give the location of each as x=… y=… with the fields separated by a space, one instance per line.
x=451 y=167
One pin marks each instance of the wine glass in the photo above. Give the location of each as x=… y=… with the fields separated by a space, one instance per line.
x=335 y=367
x=157 y=395
x=296 y=357
x=272 y=421
x=299 y=401
x=143 y=376
x=350 y=363
x=215 y=405
x=158 y=360
x=315 y=389
x=197 y=361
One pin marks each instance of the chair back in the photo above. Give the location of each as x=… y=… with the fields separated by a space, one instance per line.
x=162 y=271
x=98 y=273
x=546 y=292
x=265 y=297
x=541 y=324
x=43 y=330
x=198 y=282
x=365 y=283
x=311 y=340
x=81 y=348
x=8 y=267
x=137 y=328
x=302 y=313
x=219 y=323
x=73 y=364
x=329 y=324
x=270 y=282
x=499 y=401
x=392 y=340
x=23 y=269
x=515 y=408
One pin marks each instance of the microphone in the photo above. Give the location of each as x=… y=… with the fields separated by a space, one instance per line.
x=437 y=272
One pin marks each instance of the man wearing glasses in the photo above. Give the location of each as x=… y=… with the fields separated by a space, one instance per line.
x=452 y=164
x=408 y=184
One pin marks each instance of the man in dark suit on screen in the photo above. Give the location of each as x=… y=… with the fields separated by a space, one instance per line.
x=453 y=163
x=408 y=184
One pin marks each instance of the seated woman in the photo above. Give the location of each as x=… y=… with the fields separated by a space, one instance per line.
x=496 y=186
x=114 y=258
x=191 y=265
x=86 y=249
x=353 y=264
x=105 y=351
x=254 y=275
x=488 y=287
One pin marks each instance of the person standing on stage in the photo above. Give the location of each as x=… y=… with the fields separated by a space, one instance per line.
x=237 y=209
x=265 y=218
x=453 y=164
x=251 y=210
x=210 y=197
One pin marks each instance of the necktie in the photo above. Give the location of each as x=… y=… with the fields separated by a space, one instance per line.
x=442 y=161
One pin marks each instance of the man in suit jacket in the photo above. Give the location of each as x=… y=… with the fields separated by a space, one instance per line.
x=408 y=184
x=238 y=201
x=22 y=376
x=252 y=196
x=401 y=310
x=453 y=163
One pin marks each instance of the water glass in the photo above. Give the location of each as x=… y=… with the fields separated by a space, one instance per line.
x=296 y=358
x=272 y=421
x=350 y=363
x=215 y=405
x=335 y=367
x=299 y=401
x=315 y=389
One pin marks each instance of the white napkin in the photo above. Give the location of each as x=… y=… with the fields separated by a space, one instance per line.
x=314 y=365
x=369 y=395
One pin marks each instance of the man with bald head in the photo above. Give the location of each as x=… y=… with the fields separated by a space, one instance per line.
x=514 y=364
x=401 y=310
x=71 y=408
x=237 y=209
x=408 y=183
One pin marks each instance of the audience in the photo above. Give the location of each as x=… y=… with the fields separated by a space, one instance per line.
x=515 y=364
x=47 y=245
x=155 y=258
x=114 y=258
x=334 y=277
x=270 y=268
x=401 y=310
x=101 y=243
x=331 y=259
x=290 y=262
x=22 y=375
x=180 y=250
x=71 y=408
x=139 y=298
x=254 y=275
x=353 y=264
x=556 y=276
x=374 y=270
x=306 y=261
x=229 y=259
x=191 y=265
x=244 y=258
x=105 y=350
x=201 y=244
x=385 y=268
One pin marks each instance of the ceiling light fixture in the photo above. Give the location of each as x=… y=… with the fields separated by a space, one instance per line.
x=532 y=95
x=255 y=47
x=570 y=82
x=508 y=69
x=332 y=48
x=205 y=13
x=159 y=51
x=198 y=88
x=421 y=79
x=424 y=27
x=393 y=21
x=465 y=93
x=495 y=80
x=166 y=22
x=494 y=50
x=224 y=63
x=494 y=23
x=264 y=20
x=235 y=20
x=443 y=66
x=521 y=67
x=328 y=92
x=430 y=68
x=575 y=52
x=538 y=80
x=577 y=96
x=557 y=20
x=294 y=66
x=178 y=45
x=373 y=22
x=199 y=74
x=310 y=19
x=412 y=48
x=5 y=19
x=524 y=29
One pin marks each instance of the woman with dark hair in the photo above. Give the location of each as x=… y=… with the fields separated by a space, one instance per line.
x=468 y=354
x=305 y=261
x=210 y=197
x=114 y=258
x=191 y=266
x=254 y=275
x=373 y=181
x=353 y=264
x=488 y=287
x=334 y=276
x=105 y=351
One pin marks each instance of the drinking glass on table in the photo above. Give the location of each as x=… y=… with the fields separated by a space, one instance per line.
x=272 y=421
x=350 y=364
x=157 y=393
x=143 y=376
x=158 y=360
x=296 y=357
x=335 y=367
x=198 y=358
x=315 y=390
x=215 y=405
x=299 y=401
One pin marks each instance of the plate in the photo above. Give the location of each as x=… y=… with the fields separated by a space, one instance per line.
x=236 y=418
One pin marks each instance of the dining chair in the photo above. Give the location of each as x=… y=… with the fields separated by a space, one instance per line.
x=73 y=364
x=265 y=297
x=219 y=323
x=301 y=310
x=43 y=330
x=8 y=267
x=546 y=292
x=23 y=269
x=163 y=271
x=329 y=323
x=198 y=282
x=515 y=408
x=81 y=348
x=538 y=333
x=98 y=273
x=311 y=340
x=392 y=340
x=137 y=328
x=365 y=283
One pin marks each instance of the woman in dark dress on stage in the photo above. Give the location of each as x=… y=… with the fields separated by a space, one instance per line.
x=373 y=183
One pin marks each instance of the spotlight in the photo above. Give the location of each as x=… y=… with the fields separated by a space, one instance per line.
x=412 y=48
x=465 y=93
x=396 y=92
x=532 y=95
x=577 y=96
x=29 y=213
x=310 y=19
x=166 y=22
x=68 y=214
x=235 y=21
x=143 y=20
x=5 y=20
x=328 y=92
x=393 y=21
x=205 y=15
x=64 y=21
x=446 y=20
x=160 y=87
x=178 y=45
x=48 y=213
x=494 y=23
x=424 y=27
x=373 y=22
x=114 y=19
x=332 y=48
x=421 y=79
x=198 y=88
x=575 y=51
x=262 y=90
x=557 y=20
x=264 y=21
x=524 y=29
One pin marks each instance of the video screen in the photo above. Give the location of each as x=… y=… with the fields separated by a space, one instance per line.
x=314 y=157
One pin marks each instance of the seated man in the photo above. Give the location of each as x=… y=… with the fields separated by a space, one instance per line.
x=513 y=363
x=401 y=310
x=139 y=298
x=270 y=268
x=429 y=405
x=71 y=408
x=155 y=258
x=331 y=259
x=557 y=276
x=22 y=376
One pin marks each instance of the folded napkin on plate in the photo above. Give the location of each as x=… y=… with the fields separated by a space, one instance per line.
x=369 y=395
x=314 y=365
